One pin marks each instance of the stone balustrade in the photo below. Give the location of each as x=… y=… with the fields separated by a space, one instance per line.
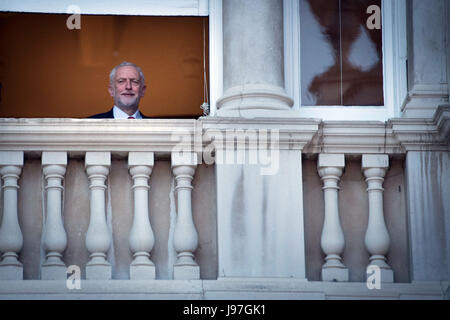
x=98 y=238
x=11 y=237
x=185 y=235
x=330 y=167
x=141 y=202
x=55 y=238
x=141 y=237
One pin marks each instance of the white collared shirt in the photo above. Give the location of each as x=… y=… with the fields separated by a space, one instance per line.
x=119 y=114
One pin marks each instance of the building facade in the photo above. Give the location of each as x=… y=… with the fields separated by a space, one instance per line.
x=320 y=172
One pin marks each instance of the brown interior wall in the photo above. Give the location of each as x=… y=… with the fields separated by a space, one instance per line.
x=47 y=70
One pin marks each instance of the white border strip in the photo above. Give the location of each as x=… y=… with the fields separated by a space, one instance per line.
x=113 y=7
x=215 y=54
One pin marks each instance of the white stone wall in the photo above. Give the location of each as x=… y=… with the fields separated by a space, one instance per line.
x=260 y=220
x=428 y=175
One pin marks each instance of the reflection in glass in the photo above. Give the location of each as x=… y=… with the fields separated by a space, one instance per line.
x=341 y=59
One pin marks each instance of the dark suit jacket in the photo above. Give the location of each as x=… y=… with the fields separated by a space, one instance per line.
x=110 y=115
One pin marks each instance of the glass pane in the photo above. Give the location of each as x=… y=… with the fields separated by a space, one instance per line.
x=341 y=58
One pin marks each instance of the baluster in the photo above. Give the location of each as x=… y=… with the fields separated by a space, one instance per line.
x=377 y=237
x=98 y=239
x=330 y=167
x=55 y=237
x=141 y=234
x=185 y=233
x=11 y=238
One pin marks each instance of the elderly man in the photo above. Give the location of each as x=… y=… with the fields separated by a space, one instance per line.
x=127 y=87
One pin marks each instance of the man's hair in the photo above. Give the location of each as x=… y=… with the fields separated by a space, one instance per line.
x=126 y=64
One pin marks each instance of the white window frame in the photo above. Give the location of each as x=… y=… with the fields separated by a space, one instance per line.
x=114 y=7
x=215 y=54
x=394 y=66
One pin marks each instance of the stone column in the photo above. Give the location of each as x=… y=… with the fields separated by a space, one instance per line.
x=185 y=234
x=260 y=217
x=427 y=188
x=141 y=234
x=55 y=238
x=11 y=238
x=377 y=237
x=253 y=59
x=330 y=167
x=98 y=238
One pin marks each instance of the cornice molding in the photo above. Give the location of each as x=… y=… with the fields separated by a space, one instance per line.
x=162 y=136
x=73 y=135
x=354 y=138
x=293 y=133
x=424 y=134
x=396 y=136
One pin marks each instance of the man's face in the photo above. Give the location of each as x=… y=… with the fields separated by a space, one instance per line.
x=127 y=88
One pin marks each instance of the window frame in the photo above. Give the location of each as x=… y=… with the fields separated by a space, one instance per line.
x=394 y=66
x=210 y=8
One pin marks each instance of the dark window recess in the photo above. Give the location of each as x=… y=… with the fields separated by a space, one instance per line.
x=341 y=58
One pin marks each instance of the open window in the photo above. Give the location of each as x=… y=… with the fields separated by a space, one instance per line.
x=50 y=70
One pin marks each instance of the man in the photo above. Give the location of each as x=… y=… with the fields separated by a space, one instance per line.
x=127 y=87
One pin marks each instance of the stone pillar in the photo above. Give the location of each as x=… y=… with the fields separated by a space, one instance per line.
x=11 y=238
x=253 y=69
x=98 y=238
x=428 y=78
x=185 y=239
x=377 y=237
x=55 y=238
x=260 y=216
x=330 y=167
x=141 y=234
x=428 y=202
